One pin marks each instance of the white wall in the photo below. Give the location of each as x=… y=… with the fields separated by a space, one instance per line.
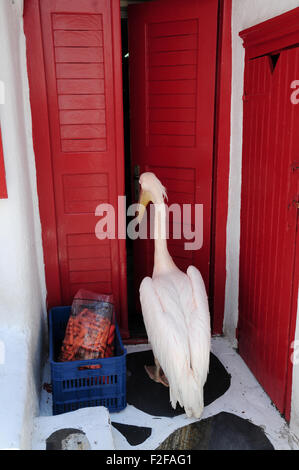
x=246 y=13
x=22 y=288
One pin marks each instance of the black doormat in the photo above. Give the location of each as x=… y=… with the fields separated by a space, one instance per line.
x=224 y=431
x=134 y=434
x=153 y=398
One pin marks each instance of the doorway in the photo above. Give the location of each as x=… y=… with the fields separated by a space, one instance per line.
x=171 y=128
x=74 y=66
x=135 y=320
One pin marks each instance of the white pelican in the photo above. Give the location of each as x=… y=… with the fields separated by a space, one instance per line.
x=176 y=314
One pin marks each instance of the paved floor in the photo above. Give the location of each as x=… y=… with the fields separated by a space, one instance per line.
x=237 y=414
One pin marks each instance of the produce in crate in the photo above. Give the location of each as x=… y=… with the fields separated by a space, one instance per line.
x=90 y=330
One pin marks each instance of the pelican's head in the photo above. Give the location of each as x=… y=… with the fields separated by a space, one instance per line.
x=151 y=190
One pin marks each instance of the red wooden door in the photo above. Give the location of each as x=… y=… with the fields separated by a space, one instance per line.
x=269 y=219
x=74 y=46
x=172 y=47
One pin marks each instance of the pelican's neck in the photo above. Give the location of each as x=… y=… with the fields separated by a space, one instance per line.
x=162 y=260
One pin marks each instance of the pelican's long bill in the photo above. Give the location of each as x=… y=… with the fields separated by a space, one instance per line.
x=144 y=199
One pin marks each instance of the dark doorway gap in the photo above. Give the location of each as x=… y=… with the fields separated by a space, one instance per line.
x=135 y=319
x=273 y=60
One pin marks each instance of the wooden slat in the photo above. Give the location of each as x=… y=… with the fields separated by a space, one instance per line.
x=178 y=185
x=83 y=117
x=84 y=181
x=172 y=86
x=77 y=102
x=176 y=197
x=92 y=250
x=172 y=128
x=79 y=70
x=177 y=71
x=90 y=276
x=85 y=194
x=172 y=101
x=171 y=140
x=80 y=86
x=91 y=264
x=78 y=38
x=103 y=287
x=173 y=58
x=79 y=54
x=163 y=173
x=92 y=145
x=83 y=131
x=172 y=114
x=173 y=28
x=172 y=43
x=77 y=21
x=83 y=207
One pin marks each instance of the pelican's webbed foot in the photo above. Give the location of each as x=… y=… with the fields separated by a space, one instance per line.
x=156 y=373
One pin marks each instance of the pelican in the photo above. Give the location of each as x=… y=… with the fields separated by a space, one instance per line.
x=176 y=313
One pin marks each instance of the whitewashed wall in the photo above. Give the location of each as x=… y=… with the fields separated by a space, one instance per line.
x=22 y=287
x=246 y=13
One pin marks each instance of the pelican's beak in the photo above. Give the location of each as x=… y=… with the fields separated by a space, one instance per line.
x=144 y=199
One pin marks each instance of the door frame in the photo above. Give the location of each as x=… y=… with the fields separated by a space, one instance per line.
x=42 y=146
x=221 y=165
x=280 y=32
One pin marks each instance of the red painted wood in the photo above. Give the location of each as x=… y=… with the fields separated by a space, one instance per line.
x=78 y=38
x=74 y=62
x=269 y=221
x=3 y=188
x=271 y=35
x=77 y=102
x=172 y=69
x=221 y=165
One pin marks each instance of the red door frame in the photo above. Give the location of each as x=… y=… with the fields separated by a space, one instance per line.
x=221 y=166
x=274 y=35
x=36 y=67
x=42 y=146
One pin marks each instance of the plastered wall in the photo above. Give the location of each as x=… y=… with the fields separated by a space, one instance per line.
x=22 y=286
x=245 y=14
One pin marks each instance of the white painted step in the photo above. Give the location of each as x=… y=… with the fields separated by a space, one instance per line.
x=94 y=422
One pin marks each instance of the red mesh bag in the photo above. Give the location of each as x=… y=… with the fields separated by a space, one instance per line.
x=90 y=331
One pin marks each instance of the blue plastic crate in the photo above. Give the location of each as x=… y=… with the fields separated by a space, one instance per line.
x=74 y=388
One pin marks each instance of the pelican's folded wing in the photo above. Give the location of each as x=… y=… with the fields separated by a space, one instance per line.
x=167 y=333
x=199 y=330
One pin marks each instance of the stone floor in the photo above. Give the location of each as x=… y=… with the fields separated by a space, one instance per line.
x=237 y=414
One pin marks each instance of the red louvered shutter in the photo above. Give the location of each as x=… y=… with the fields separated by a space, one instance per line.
x=82 y=68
